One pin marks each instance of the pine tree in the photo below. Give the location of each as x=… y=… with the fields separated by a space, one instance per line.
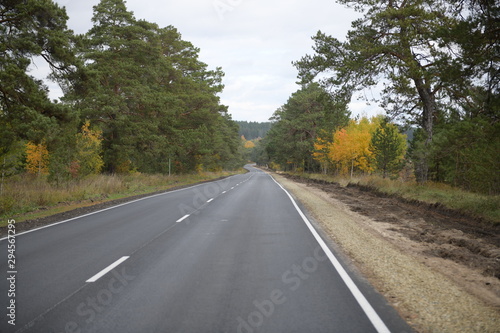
x=153 y=98
x=388 y=147
x=28 y=30
x=297 y=124
x=402 y=42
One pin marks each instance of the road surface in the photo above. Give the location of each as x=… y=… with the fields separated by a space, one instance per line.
x=235 y=255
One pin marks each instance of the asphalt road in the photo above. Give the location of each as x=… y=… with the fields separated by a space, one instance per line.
x=235 y=255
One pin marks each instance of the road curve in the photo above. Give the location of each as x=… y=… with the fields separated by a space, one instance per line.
x=234 y=255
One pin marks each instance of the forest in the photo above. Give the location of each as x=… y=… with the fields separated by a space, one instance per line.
x=252 y=130
x=136 y=97
x=436 y=65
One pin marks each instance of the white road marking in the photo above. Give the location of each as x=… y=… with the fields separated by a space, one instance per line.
x=210 y=200
x=360 y=298
x=223 y=192
x=182 y=218
x=106 y=270
x=112 y=207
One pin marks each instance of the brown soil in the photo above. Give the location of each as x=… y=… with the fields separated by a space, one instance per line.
x=464 y=248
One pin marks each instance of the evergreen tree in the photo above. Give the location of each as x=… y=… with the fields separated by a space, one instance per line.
x=388 y=147
x=28 y=30
x=253 y=130
x=309 y=111
x=153 y=99
x=402 y=42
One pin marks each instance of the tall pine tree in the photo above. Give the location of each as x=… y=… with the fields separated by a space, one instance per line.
x=388 y=147
x=28 y=30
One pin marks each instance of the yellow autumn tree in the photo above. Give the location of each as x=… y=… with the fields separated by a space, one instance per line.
x=320 y=153
x=350 y=148
x=88 y=152
x=249 y=144
x=37 y=158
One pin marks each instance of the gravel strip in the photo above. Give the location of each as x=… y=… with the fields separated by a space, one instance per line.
x=428 y=300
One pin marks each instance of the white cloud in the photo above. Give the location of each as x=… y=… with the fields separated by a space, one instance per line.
x=253 y=41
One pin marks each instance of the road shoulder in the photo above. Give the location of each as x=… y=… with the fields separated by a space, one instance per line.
x=429 y=300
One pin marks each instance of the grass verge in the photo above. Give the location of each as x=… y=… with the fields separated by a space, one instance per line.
x=25 y=198
x=479 y=205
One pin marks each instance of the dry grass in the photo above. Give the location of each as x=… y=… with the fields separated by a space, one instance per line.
x=481 y=205
x=25 y=194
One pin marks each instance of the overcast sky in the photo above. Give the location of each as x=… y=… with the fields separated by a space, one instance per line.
x=254 y=41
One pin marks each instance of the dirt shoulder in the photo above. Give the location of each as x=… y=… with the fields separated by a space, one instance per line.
x=438 y=269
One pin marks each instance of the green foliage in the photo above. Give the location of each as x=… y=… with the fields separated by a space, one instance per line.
x=88 y=152
x=153 y=99
x=253 y=130
x=467 y=154
x=477 y=35
x=388 y=147
x=364 y=145
x=401 y=42
x=28 y=30
x=310 y=110
x=143 y=86
x=438 y=62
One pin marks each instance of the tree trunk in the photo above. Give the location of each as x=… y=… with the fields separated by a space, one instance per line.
x=428 y=113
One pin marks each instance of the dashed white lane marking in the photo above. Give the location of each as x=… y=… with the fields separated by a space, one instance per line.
x=182 y=218
x=106 y=270
x=109 y=208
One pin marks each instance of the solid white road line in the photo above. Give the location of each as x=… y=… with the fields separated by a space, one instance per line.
x=182 y=218
x=106 y=270
x=360 y=298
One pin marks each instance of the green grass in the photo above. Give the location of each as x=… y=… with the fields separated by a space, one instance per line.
x=474 y=204
x=26 y=197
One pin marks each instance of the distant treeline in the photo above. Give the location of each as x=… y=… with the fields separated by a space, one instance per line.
x=253 y=130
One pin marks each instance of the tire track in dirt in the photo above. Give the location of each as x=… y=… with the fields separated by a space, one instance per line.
x=448 y=234
x=396 y=245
